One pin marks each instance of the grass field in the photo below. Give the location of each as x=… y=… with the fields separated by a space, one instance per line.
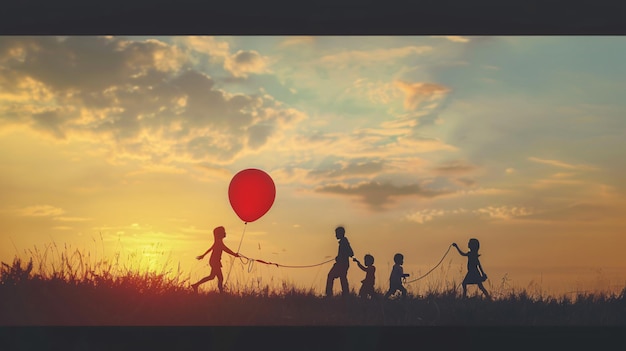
x=73 y=291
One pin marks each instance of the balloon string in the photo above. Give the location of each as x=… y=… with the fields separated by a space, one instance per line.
x=245 y=225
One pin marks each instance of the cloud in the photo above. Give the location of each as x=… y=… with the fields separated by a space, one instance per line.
x=457 y=38
x=239 y=64
x=562 y=175
x=557 y=179
x=504 y=212
x=208 y=45
x=90 y=64
x=426 y=215
x=366 y=57
x=242 y=63
x=39 y=211
x=454 y=168
x=561 y=164
x=377 y=195
x=299 y=40
x=368 y=143
x=72 y=219
x=350 y=169
x=290 y=175
x=138 y=100
x=577 y=212
x=51 y=122
x=376 y=92
x=550 y=182
x=491 y=212
x=465 y=181
x=479 y=191
x=418 y=93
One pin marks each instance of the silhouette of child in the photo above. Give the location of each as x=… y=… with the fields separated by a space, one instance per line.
x=342 y=263
x=367 y=284
x=215 y=261
x=475 y=273
x=397 y=273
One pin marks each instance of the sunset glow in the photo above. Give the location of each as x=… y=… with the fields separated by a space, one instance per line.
x=127 y=145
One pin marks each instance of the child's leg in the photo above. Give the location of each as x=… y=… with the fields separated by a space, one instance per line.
x=343 y=278
x=403 y=290
x=220 y=279
x=482 y=288
x=329 y=281
x=370 y=291
x=389 y=292
x=464 y=290
x=204 y=280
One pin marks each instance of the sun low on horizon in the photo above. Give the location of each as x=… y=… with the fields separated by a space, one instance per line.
x=128 y=145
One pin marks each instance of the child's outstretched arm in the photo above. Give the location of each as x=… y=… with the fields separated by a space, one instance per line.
x=459 y=250
x=230 y=251
x=363 y=268
x=402 y=274
x=204 y=254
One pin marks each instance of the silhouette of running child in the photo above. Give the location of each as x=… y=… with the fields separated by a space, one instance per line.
x=367 y=284
x=395 y=279
x=342 y=263
x=215 y=261
x=475 y=273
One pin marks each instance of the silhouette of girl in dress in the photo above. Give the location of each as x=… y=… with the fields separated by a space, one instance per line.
x=475 y=273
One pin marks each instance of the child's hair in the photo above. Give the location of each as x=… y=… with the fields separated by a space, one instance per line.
x=397 y=258
x=473 y=244
x=340 y=230
x=368 y=259
x=218 y=231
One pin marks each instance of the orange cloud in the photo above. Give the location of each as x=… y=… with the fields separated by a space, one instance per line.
x=561 y=164
x=418 y=93
x=39 y=211
x=373 y=56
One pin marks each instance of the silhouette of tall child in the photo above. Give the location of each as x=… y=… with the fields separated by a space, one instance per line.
x=215 y=261
x=395 y=279
x=367 y=284
x=475 y=273
x=342 y=263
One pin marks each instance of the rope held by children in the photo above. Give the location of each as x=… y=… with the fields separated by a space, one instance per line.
x=437 y=265
x=250 y=262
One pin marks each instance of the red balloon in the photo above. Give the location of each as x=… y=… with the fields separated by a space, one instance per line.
x=251 y=193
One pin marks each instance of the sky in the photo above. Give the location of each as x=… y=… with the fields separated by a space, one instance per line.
x=128 y=145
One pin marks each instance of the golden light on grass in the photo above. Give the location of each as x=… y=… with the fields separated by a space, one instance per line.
x=66 y=286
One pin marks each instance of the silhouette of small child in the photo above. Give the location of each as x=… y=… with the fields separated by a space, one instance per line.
x=475 y=273
x=367 y=284
x=397 y=273
x=215 y=261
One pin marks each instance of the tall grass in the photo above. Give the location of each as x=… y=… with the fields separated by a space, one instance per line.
x=66 y=286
